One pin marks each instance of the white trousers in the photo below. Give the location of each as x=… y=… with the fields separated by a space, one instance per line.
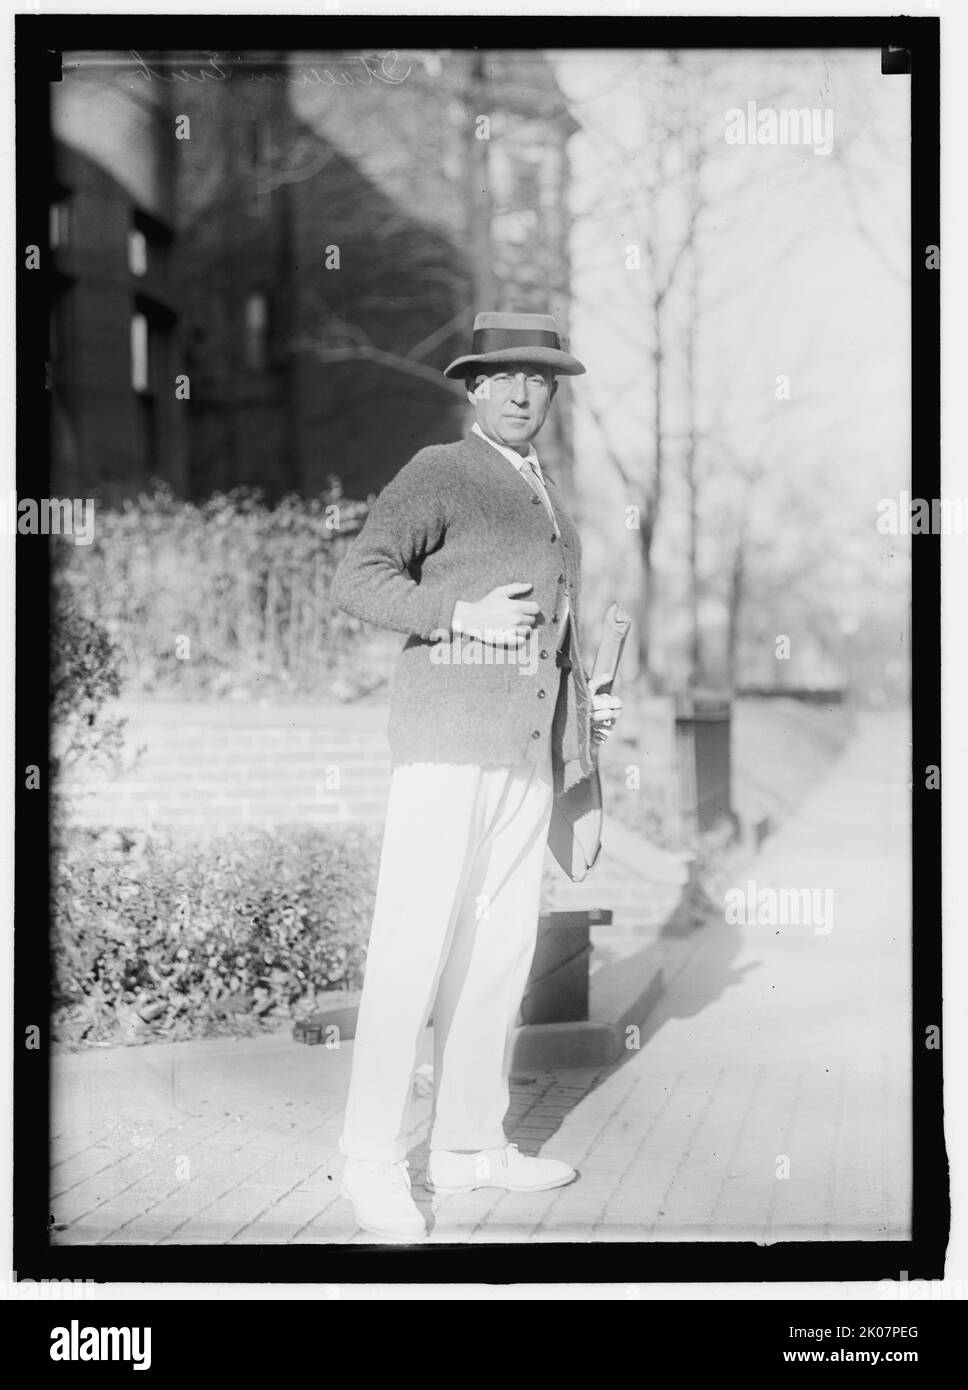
x=454 y=930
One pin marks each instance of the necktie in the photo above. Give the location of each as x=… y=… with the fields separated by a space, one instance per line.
x=530 y=474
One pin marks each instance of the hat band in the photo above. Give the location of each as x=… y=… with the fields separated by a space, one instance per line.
x=497 y=339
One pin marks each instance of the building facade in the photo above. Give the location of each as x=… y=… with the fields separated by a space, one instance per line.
x=262 y=265
x=114 y=350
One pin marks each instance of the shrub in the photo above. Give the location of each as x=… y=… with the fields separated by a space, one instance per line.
x=85 y=672
x=173 y=938
x=247 y=584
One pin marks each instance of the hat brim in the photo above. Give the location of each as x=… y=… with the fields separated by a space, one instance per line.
x=562 y=363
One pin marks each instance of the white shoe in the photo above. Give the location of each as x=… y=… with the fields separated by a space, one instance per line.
x=456 y=1172
x=380 y=1193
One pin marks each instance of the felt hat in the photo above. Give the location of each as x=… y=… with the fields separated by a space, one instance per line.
x=515 y=338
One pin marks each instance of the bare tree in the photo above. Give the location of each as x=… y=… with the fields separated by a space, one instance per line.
x=673 y=187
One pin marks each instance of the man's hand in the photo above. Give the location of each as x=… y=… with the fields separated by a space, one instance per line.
x=605 y=709
x=500 y=618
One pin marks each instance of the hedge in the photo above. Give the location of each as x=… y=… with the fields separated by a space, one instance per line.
x=226 y=597
x=167 y=938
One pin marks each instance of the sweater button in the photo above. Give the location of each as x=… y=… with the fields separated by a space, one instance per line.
x=551 y=538
x=561 y=579
x=544 y=656
x=536 y=501
x=541 y=694
x=536 y=733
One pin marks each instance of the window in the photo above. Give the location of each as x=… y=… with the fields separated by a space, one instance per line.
x=137 y=251
x=152 y=326
x=61 y=328
x=148 y=428
x=259 y=143
x=256 y=331
x=60 y=223
x=148 y=242
x=257 y=159
x=139 y=353
x=527 y=186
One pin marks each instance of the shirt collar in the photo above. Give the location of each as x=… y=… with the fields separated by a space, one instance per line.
x=510 y=454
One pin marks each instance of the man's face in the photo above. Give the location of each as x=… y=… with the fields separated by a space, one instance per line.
x=512 y=402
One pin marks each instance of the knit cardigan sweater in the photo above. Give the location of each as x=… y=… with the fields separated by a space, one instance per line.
x=457 y=521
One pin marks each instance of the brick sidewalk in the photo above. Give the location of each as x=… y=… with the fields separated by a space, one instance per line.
x=215 y=1142
x=769 y=1099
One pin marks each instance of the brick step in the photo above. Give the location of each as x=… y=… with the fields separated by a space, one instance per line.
x=213 y=791
x=617 y=888
x=166 y=769
x=159 y=762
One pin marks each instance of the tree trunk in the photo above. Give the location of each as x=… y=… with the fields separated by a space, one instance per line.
x=696 y=672
x=695 y=635
x=646 y=609
x=736 y=595
x=479 y=203
x=651 y=509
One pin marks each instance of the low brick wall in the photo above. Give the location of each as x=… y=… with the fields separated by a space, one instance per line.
x=204 y=768
x=208 y=767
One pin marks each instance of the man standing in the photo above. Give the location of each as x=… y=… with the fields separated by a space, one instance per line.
x=470 y=553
